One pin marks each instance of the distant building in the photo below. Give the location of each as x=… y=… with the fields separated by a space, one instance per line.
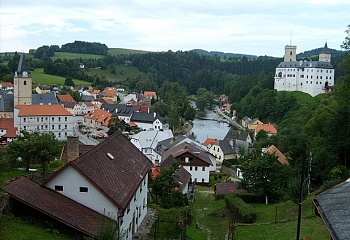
x=312 y=77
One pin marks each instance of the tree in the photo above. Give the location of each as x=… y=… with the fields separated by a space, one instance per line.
x=69 y=82
x=115 y=124
x=34 y=148
x=263 y=174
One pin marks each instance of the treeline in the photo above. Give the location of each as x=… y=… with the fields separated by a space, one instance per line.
x=46 y=51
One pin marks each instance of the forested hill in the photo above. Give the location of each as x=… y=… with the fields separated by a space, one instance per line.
x=317 y=51
x=222 y=54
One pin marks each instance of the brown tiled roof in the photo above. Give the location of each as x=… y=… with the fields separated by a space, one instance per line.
x=280 y=156
x=117 y=178
x=8 y=124
x=150 y=94
x=55 y=205
x=186 y=147
x=65 y=98
x=99 y=115
x=226 y=187
x=42 y=110
x=210 y=141
x=6 y=84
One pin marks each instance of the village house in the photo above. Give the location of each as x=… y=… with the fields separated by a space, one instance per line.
x=111 y=94
x=222 y=150
x=149 y=121
x=108 y=182
x=7 y=131
x=240 y=141
x=53 y=119
x=268 y=128
x=122 y=111
x=6 y=104
x=147 y=141
x=195 y=160
x=97 y=118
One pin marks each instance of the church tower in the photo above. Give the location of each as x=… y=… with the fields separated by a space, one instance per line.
x=22 y=84
x=325 y=55
x=290 y=53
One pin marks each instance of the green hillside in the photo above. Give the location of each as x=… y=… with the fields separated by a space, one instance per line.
x=119 y=51
x=122 y=73
x=67 y=55
x=40 y=78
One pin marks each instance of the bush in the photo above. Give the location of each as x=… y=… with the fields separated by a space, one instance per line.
x=250 y=197
x=244 y=212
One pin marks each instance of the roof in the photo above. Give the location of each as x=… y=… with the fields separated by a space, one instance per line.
x=269 y=128
x=186 y=147
x=119 y=109
x=145 y=117
x=237 y=134
x=65 y=98
x=226 y=187
x=64 y=210
x=67 y=104
x=8 y=124
x=42 y=110
x=99 y=115
x=225 y=146
x=209 y=141
x=6 y=101
x=333 y=206
x=150 y=94
x=117 y=178
x=176 y=140
x=280 y=156
x=44 y=99
x=22 y=66
x=305 y=64
x=150 y=139
x=7 y=84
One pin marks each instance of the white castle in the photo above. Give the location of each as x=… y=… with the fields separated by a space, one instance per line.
x=312 y=77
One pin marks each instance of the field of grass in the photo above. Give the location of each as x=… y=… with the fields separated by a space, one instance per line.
x=119 y=51
x=67 y=55
x=274 y=221
x=122 y=73
x=40 y=78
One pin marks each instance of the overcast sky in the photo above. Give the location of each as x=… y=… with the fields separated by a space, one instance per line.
x=257 y=27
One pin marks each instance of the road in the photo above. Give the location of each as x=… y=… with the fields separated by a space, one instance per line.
x=229 y=120
x=82 y=137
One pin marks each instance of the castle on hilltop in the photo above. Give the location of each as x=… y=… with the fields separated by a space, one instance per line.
x=312 y=77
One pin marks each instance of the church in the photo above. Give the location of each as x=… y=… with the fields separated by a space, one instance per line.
x=312 y=77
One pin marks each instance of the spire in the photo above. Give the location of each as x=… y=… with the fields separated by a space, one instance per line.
x=22 y=66
x=325 y=49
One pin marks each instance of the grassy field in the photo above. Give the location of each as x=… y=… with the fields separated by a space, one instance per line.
x=40 y=78
x=275 y=221
x=67 y=55
x=119 y=51
x=122 y=73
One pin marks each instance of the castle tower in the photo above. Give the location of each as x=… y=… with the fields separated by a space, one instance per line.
x=290 y=53
x=325 y=55
x=22 y=84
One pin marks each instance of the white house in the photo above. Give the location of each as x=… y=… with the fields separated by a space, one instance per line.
x=147 y=141
x=193 y=159
x=53 y=119
x=110 y=180
x=312 y=77
x=122 y=111
x=149 y=121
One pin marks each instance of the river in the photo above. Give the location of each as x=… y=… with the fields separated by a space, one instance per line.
x=203 y=129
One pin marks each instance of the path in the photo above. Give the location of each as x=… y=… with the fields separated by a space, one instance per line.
x=145 y=227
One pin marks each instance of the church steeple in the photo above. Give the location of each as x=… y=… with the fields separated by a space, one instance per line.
x=22 y=84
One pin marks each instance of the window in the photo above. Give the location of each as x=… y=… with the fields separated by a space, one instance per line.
x=83 y=189
x=65 y=119
x=53 y=127
x=24 y=119
x=196 y=168
x=59 y=119
x=202 y=180
x=25 y=83
x=58 y=188
x=52 y=119
x=203 y=168
x=59 y=126
x=65 y=126
x=190 y=168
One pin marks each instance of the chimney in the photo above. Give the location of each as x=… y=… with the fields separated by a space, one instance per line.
x=72 y=148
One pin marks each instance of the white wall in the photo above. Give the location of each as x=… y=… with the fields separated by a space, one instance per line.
x=198 y=174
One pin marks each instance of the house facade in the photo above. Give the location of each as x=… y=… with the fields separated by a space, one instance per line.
x=53 y=119
x=222 y=150
x=312 y=77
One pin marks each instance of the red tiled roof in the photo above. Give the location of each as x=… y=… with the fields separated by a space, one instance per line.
x=100 y=115
x=6 y=84
x=65 y=98
x=8 y=124
x=155 y=172
x=42 y=110
x=281 y=158
x=210 y=141
x=55 y=205
x=269 y=128
x=132 y=124
x=117 y=178
x=150 y=94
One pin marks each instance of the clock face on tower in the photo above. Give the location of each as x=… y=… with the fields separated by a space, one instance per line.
x=25 y=74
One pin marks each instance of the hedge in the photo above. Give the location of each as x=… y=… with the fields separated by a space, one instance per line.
x=244 y=212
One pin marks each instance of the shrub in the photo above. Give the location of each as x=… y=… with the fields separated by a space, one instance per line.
x=244 y=212
x=250 y=197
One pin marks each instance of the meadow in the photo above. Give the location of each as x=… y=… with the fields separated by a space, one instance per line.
x=40 y=78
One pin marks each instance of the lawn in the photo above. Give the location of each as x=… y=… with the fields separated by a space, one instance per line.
x=274 y=221
x=40 y=78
